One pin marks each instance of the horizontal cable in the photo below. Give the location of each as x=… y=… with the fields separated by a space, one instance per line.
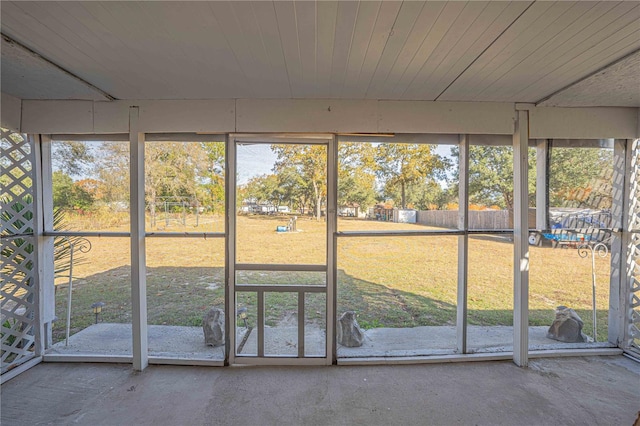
x=85 y=234
x=204 y=235
x=398 y=233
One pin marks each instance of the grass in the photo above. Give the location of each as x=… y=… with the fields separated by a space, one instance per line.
x=389 y=282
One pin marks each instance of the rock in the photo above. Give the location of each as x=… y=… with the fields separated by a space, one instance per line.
x=349 y=333
x=213 y=326
x=567 y=327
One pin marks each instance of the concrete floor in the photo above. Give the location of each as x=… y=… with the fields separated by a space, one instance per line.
x=188 y=342
x=567 y=391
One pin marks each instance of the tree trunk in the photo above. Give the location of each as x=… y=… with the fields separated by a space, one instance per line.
x=404 y=204
x=152 y=208
x=318 y=198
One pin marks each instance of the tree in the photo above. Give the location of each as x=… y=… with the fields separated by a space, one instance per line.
x=491 y=175
x=356 y=174
x=580 y=177
x=112 y=172
x=574 y=173
x=68 y=195
x=425 y=194
x=173 y=170
x=357 y=189
x=401 y=164
x=72 y=157
x=212 y=190
x=310 y=163
x=264 y=189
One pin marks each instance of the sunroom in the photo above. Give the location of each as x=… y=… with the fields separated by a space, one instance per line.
x=317 y=183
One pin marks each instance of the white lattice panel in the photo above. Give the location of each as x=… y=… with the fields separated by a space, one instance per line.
x=18 y=285
x=634 y=255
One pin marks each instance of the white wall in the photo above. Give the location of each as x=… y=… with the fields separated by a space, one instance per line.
x=325 y=116
x=10 y=112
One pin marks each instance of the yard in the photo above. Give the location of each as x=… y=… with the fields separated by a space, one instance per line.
x=389 y=281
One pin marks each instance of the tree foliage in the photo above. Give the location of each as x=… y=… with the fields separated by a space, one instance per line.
x=491 y=175
x=72 y=157
x=574 y=173
x=192 y=172
x=356 y=175
x=309 y=162
x=67 y=194
x=425 y=194
x=400 y=165
x=580 y=177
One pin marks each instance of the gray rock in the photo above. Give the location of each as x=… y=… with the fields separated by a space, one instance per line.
x=213 y=326
x=348 y=332
x=567 y=327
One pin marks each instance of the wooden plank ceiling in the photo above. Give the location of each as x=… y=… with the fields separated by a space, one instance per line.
x=438 y=51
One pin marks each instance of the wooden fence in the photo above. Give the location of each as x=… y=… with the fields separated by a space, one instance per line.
x=478 y=219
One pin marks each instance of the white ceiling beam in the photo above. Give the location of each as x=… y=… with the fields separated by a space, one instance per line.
x=10 y=112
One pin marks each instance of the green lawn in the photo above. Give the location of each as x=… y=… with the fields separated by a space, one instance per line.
x=389 y=282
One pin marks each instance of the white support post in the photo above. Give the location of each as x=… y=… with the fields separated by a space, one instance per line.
x=620 y=221
x=138 y=254
x=41 y=336
x=44 y=223
x=332 y=227
x=630 y=272
x=230 y=261
x=520 y=240
x=542 y=193
x=463 y=243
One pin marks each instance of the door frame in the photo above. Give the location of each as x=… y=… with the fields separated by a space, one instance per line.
x=330 y=141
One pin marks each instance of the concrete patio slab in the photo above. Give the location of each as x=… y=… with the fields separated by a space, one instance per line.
x=188 y=342
x=562 y=391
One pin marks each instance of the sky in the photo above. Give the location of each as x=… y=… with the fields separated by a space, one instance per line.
x=254 y=160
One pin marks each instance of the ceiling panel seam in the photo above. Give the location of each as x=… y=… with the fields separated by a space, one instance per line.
x=424 y=80
x=435 y=51
x=587 y=76
x=572 y=67
x=102 y=59
x=386 y=42
x=230 y=46
x=404 y=34
x=346 y=62
x=483 y=51
x=451 y=63
x=415 y=53
x=30 y=25
x=552 y=57
x=286 y=66
x=489 y=88
x=58 y=67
